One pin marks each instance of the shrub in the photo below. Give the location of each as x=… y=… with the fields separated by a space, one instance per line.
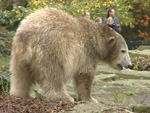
x=5 y=41
x=11 y=18
x=4 y=79
x=141 y=63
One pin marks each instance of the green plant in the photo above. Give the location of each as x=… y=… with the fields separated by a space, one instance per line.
x=4 y=79
x=4 y=85
x=4 y=74
x=129 y=93
x=119 y=97
x=5 y=41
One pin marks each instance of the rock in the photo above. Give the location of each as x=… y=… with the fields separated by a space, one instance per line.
x=141 y=108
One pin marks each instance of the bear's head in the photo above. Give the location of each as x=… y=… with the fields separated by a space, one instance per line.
x=115 y=50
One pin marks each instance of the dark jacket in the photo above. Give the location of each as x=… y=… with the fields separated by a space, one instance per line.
x=115 y=27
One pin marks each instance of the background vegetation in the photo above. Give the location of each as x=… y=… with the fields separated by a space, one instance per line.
x=134 y=16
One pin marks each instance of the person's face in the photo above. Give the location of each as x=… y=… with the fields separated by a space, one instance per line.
x=112 y=13
x=100 y=21
x=87 y=15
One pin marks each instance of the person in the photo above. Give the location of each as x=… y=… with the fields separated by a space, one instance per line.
x=111 y=13
x=110 y=22
x=98 y=20
x=87 y=15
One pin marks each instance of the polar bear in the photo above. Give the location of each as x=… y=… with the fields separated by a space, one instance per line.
x=50 y=47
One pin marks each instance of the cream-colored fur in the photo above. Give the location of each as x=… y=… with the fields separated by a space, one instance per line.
x=51 y=46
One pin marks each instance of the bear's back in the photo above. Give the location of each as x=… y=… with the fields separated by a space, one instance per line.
x=49 y=26
x=46 y=21
x=48 y=32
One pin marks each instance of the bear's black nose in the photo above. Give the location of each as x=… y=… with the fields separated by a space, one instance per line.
x=130 y=66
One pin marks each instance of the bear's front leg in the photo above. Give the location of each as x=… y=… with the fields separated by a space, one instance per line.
x=83 y=84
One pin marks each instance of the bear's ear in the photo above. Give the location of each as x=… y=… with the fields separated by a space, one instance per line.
x=105 y=29
x=111 y=41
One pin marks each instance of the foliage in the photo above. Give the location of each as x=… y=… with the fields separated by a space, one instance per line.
x=5 y=41
x=96 y=8
x=120 y=97
x=142 y=18
x=75 y=7
x=129 y=93
x=4 y=78
x=10 y=18
x=131 y=13
x=141 y=63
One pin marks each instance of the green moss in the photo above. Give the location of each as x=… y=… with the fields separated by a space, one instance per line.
x=143 y=47
x=129 y=93
x=141 y=109
x=119 y=97
x=137 y=55
x=4 y=60
x=124 y=76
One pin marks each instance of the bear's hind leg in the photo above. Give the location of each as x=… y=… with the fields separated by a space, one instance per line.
x=83 y=84
x=56 y=93
x=54 y=88
x=20 y=81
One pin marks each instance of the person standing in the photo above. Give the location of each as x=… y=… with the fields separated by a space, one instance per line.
x=87 y=15
x=110 y=22
x=98 y=20
x=111 y=13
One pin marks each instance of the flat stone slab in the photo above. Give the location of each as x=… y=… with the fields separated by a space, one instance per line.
x=137 y=74
x=143 y=52
x=125 y=91
x=117 y=90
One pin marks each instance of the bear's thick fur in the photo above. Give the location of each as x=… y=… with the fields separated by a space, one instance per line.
x=51 y=46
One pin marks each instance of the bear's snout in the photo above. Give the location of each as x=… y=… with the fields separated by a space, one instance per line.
x=130 y=66
x=120 y=66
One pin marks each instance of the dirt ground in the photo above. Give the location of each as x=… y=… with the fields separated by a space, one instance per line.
x=10 y=104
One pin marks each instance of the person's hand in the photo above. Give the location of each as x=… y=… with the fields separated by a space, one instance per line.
x=110 y=23
x=118 y=26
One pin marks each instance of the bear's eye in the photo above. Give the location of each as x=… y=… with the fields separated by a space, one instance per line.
x=123 y=51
